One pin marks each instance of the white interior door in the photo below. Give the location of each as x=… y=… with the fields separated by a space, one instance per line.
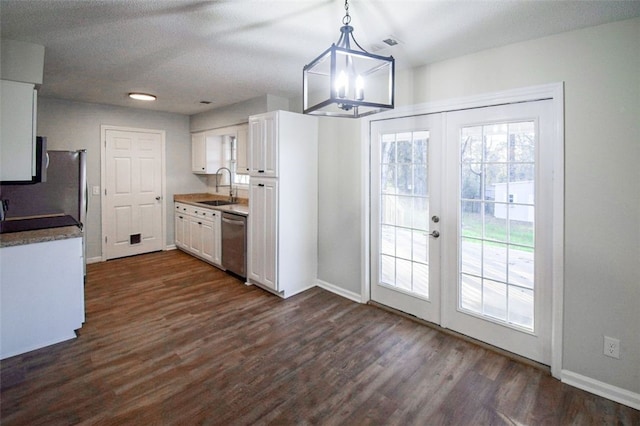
x=132 y=199
x=406 y=162
x=498 y=230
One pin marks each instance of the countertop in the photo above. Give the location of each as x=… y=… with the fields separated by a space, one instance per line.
x=241 y=207
x=39 y=236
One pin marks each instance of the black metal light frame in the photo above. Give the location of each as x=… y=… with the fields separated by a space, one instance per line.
x=321 y=94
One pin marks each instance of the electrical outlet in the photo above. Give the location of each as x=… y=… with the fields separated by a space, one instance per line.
x=612 y=347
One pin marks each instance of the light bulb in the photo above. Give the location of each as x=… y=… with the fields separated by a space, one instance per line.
x=359 y=88
x=342 y=85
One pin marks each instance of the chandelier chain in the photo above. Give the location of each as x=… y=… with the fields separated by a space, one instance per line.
x=346 y=20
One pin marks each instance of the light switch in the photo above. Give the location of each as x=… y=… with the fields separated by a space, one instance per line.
x=95 y=190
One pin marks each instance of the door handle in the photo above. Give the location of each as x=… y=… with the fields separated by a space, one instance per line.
x=233 y=222
x=435 y=234
x=158 y=198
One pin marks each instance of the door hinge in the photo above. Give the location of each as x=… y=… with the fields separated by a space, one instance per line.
x=105 y=240
x=105 y=191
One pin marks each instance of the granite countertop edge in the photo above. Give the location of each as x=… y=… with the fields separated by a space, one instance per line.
x=12 y=239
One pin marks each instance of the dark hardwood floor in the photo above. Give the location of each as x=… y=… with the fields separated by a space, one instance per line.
x=171 y=340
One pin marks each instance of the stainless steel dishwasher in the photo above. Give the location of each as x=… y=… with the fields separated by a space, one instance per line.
x=234 y=243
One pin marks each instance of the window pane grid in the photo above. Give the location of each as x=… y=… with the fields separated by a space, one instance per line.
x=497 y=206
x=404 y=204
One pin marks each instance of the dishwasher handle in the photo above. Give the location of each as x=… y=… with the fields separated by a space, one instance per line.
x=233 y=222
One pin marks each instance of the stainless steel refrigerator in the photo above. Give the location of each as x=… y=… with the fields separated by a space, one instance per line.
x=61 y=200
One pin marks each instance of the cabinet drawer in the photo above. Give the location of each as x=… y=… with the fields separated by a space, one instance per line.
x=200 y=212
x=182 y=208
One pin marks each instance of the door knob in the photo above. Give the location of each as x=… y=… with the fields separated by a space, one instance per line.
x=435 y=219
x=435 y=234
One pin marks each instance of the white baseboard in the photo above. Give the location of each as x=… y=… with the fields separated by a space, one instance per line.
x=339 y=291
x=602 y=389
x=170 y=247
x=297 y=291
x=96 y=259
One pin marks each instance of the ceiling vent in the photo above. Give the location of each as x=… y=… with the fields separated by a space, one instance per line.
x=389 y=41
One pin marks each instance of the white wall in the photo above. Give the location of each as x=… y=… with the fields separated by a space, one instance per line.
x=237 y=113
x=601 y=70
x=339 y=203
x=76 y=125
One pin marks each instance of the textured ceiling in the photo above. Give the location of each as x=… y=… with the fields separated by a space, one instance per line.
x=227 y=51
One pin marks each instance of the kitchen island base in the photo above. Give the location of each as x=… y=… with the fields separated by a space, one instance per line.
x=41 y=294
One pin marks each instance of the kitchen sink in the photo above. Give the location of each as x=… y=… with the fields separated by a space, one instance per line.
x=216 y=203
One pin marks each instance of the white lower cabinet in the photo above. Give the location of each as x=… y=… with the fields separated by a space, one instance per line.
x=42 y=287
x=198 y=232
x=181 y=229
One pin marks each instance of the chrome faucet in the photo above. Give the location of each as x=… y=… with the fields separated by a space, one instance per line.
x=230 y=182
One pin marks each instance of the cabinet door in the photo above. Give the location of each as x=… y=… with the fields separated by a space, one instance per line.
x=198 y=153
x=263 y=231
x=270 y=143
x=256 y=147
x=263 y=145
x=256 y=237
x=208 y=240
x=242 y=152
x=179 y=230
x=17 y=131
x=195 y=235
x=217 y=238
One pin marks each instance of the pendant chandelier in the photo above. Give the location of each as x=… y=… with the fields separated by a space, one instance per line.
x=343 y=82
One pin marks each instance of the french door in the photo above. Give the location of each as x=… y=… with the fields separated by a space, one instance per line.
x=460 y=228
x=406 y=159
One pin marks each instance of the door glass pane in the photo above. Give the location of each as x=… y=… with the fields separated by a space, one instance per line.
x=497 y=208
x=404 y=212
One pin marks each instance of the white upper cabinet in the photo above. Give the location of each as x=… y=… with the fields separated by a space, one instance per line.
x=242 y=152
x=263 y=141
x=17 y=130
x=207 y=152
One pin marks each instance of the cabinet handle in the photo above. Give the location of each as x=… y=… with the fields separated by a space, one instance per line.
x=260 y=171
x=261 y=184
x=199 y=223
x=181 y=217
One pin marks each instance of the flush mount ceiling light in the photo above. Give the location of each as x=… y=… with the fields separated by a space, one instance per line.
x=142 y=96
x=343 y=82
